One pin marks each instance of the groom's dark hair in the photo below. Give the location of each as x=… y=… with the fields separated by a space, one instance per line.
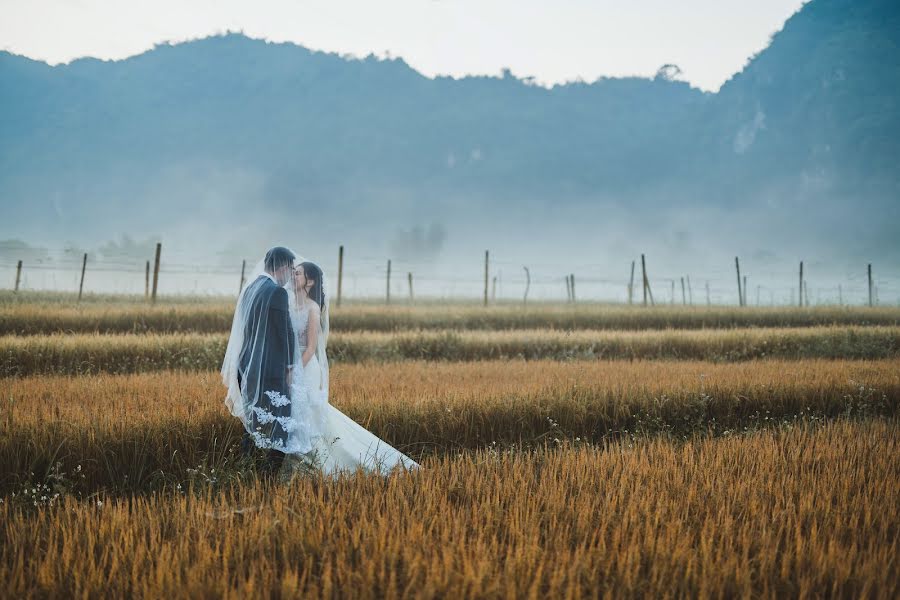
x=278 y=257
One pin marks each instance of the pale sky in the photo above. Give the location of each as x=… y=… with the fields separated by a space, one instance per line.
x=552 y=40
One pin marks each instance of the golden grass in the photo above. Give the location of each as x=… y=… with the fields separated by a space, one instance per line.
x=48 y=299
x=559 y=475
x=806 y=512
x=34 y=319
x=139 y=432
x=214 y=316
x=133 y=353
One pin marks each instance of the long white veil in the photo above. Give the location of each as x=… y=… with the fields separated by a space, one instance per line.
x=261 y=350
x=282 y=402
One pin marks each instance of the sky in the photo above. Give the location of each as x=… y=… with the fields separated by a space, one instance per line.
x=551 y=40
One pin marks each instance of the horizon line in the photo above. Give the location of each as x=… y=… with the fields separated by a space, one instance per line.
x=528 y=80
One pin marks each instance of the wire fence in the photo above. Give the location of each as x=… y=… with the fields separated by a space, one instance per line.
x=366 y=277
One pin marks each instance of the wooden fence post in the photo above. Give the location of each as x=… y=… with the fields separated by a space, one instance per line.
x=409 y=278
x=869 y=270
x=631 y=285
x=744 y=291
x=147 y=281
x=801 y=284
x=647 y=290
x=527 y=285
x=708 y=303
x=644 y=278
x=572 y=277
x=83 y=268
x=568 y=289
x=340 y=273
x=243 y=273
x=494 y=289
x=388 y=292
x=672 y=294
x=486 y=266
x=690 y=293
x=683 y=293
x=737 y=266
x=156 y=272
x=19 y=278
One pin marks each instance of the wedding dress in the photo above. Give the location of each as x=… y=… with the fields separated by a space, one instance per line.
x=320 y=435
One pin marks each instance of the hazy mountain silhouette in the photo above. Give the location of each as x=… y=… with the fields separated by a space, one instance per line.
x=819 y=105
x=185 y=138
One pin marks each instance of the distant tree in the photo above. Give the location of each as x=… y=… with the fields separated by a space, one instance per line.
x=129 y=248
x=72 y=251
x=668 y=72
x=20 y=250
x=419 y=243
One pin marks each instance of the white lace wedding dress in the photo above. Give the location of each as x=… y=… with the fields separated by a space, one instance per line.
x=322 y=436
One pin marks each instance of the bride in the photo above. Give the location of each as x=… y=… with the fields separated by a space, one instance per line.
x=321 y=436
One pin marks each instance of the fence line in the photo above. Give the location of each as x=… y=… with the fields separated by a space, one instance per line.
x=361 y=277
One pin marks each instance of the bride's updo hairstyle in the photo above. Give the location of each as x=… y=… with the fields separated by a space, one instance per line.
x=316 y=292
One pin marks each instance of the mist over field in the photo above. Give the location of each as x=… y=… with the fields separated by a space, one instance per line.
x=222 y=146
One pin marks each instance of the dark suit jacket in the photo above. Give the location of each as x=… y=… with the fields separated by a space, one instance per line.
x=268 y=348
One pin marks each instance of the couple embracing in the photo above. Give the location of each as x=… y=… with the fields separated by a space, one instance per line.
x=276 y=372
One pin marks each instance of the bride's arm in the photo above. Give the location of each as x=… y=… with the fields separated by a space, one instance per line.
x=312 y=333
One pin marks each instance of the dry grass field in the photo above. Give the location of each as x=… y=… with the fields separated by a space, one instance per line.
x=129 y=433
x=134 y=353
x=214 y=316
x=586 y=451
x=798 y=512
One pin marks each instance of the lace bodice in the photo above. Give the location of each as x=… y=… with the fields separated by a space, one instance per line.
x=300 y=316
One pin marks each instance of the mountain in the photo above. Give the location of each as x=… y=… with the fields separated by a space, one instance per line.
x=820 y=103
x=231 y=134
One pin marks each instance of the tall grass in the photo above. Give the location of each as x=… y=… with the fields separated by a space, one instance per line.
x=214 y=316
x=61 y=299
x=806 y=512
x=130 y=353
x=136 y=433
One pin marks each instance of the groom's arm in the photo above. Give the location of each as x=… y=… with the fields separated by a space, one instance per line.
x=282 y=325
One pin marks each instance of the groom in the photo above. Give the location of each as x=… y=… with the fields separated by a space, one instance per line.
x=266 y=356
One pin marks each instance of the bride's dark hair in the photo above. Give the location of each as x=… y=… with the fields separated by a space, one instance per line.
x=316 y=292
